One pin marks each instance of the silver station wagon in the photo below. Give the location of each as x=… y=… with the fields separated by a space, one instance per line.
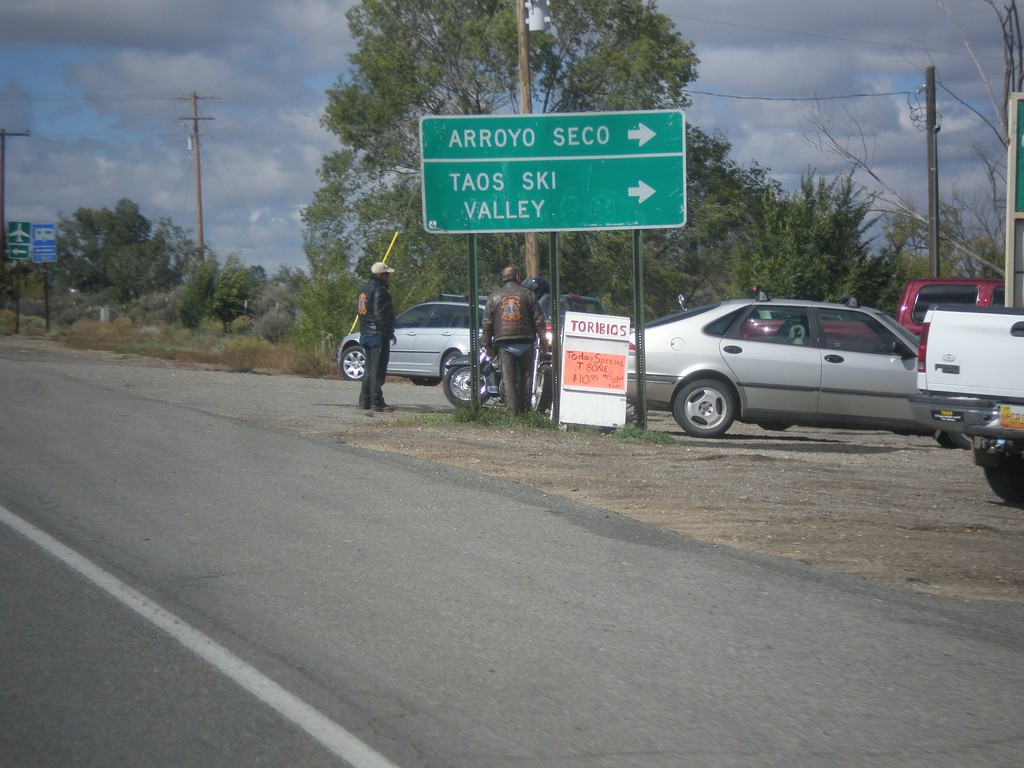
x=427 y=336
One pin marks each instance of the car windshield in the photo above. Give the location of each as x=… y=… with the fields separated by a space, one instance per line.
x=904 y=333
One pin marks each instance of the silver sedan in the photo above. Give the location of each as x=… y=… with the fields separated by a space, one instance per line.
x=778 y=363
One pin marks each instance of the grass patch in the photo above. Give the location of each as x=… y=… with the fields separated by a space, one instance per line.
x=498 y=417
x=633 y=432
x=25 y=325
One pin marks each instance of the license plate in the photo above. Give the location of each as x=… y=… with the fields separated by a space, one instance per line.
x=1011 y=416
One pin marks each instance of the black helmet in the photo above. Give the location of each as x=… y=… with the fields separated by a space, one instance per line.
x=538 y=285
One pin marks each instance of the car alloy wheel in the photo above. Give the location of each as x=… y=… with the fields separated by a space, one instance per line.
x=352 y=363
x=704 y=408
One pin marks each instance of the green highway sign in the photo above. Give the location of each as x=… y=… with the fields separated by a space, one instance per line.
x=553 y=172
x=1019 y=155
x=19 y=239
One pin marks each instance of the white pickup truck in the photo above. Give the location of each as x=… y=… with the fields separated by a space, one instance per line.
x=970 y=378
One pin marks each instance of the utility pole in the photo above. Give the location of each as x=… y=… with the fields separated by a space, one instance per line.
x=932 y=129
x=199 y=179
x=3 y=218
x=3 y=230
x=532 y=255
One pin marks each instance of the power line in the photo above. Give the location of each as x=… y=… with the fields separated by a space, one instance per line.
x=86 y=98
x=798 y=98
x=900 y=46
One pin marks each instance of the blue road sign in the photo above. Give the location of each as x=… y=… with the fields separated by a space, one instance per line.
x=44 y=243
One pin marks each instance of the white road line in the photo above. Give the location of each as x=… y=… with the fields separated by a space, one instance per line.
x=327 y=732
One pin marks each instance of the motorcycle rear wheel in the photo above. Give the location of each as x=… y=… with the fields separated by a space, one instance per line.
x=541 y=397
x=458 y=386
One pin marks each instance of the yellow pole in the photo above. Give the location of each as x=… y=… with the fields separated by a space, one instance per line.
x=385 y=260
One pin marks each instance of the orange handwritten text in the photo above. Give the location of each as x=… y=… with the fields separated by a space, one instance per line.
x=594 y=370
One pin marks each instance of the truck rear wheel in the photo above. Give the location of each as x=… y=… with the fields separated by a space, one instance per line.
x=1006 y=479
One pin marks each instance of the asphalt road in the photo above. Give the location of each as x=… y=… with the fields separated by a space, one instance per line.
x=186 y=582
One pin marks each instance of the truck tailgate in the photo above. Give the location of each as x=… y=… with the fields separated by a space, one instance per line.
x=972 y=351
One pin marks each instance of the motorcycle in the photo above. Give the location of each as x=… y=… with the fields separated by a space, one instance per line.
x=458 y=378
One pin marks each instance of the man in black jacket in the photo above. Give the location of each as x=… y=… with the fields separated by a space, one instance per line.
x=376 y=335
x=512 y=323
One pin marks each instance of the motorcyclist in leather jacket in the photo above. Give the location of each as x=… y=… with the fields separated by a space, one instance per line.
x=512 y=321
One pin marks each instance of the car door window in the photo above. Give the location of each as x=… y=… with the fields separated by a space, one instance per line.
x=449 y=317
x=848 y=330
x=776 y=369
x=414 y=317
x=778 y=325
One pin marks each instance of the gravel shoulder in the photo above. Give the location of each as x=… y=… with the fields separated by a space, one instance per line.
x=900 y=510
x=894 y=509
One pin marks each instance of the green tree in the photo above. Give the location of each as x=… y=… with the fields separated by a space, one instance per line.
x=276 y=309
x=813 y=244
x=619 y=55
x=119 y=253
x=292 y=278
x=331 y=242
x=963 y=251
x=724 y=204
x=421 y=57
x=235 y=287
x=195 y=303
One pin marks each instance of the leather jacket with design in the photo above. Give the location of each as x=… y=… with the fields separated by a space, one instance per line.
x=512 y=314
x=376 y=312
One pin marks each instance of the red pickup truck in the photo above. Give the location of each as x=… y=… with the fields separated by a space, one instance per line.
x=924 y=292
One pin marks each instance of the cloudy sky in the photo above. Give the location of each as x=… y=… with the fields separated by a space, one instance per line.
x=103 y=85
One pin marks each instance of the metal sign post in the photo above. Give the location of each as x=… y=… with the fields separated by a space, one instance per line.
x=44 y=251
x=1015 y=204
x=19 y=247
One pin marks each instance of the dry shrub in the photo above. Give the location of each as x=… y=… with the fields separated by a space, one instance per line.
x=240 y=325
x=32 y=326
x=245 y=353
x=303 y=362
x=117 y=335
x=208 y=345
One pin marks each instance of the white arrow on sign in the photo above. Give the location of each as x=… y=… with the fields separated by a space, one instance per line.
x=643 y=134
x=641 y=191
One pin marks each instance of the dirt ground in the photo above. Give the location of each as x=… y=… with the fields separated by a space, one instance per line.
x=895 y=509
x=891 y=508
